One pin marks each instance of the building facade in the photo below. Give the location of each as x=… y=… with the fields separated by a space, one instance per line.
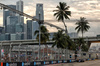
x=7 y=13
x=32 y=26
x=19 y=7
x=11 y=24
x=1 y=30
x=39 y=11
x=29 y=29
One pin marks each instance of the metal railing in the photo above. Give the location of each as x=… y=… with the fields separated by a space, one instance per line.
x=25 y=53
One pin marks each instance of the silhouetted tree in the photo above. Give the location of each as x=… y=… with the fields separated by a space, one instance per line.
x=44 y=34
x=82 y=25
x=62 y=13
x=62 y=40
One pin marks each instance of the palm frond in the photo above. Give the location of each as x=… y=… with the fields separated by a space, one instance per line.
x=62 y=12
x=68 y=13
x=36 y=32
x=82 y=25
x=44 y=34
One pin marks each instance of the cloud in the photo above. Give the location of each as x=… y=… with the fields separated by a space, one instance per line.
x=79 y=8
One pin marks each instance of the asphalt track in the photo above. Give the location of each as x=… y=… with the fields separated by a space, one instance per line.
x=86 y=63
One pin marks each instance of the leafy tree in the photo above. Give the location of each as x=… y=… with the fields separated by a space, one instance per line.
x=82 y=25
x=62 y=13
x=80 y=41
x=85 y=47
x=62 y=40
x=44 y=34
x=81 y=44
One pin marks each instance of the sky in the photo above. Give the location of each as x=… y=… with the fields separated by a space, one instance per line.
x=90 y=9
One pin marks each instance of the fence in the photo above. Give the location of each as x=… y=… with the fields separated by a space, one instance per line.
x=31 y=53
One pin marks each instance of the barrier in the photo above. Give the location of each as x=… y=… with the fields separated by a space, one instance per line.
x=39 y=63
x=35 y=63
x=12 y=64
x=1 y=63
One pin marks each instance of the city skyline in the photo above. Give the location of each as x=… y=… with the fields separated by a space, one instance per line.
x=77 y=12
x=13 y=23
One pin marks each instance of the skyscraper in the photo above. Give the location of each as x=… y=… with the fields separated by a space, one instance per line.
x=19 y=36
x=1 y=29
x=7 y=13
x=31 y=28
x=39 y=10
x=19 y=28
x=7 y=36
x=19 y=7
x=35 y=26
x=11 y=24
x=20 y=25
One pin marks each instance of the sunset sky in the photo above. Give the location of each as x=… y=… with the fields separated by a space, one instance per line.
x=90 y=9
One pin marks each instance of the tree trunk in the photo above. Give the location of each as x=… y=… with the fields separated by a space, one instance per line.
x=65 y=28
x=82 y=34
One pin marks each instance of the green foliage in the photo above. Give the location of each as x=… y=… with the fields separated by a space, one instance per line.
x=82 y=25
x=84 y=47
x=81 y=43
x=62 y=40
x=44 y=34
x=62 y=13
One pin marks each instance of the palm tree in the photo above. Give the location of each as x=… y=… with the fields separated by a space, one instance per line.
x=82 y=25
x=44 y=34
x=82 y=44
x=62 y=13
x=80 y=41
x=61 y=40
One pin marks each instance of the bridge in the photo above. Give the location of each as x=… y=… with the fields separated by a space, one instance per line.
x=90 y=39
x=35 y=42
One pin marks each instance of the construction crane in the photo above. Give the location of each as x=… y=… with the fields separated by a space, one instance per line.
x=27 y=16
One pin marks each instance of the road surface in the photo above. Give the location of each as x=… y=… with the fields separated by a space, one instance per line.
x=86 y=63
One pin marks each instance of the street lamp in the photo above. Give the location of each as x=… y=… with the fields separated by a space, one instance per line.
x=39 y=36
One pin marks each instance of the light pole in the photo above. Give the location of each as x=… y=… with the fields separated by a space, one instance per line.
x=39 y=36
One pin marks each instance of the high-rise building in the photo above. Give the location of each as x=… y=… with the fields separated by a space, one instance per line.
x=20 y=25
x=7 y=13
x=7 y=36
x=39 y=10
x=31 y=28
x=13 y=37
x=19 y=7
x=11 y=24
x=19 y=31
x=2 y=37
x=25 y=31
x=19 y=36
x=35 y=26
x=1 y=30
x=19 y=28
